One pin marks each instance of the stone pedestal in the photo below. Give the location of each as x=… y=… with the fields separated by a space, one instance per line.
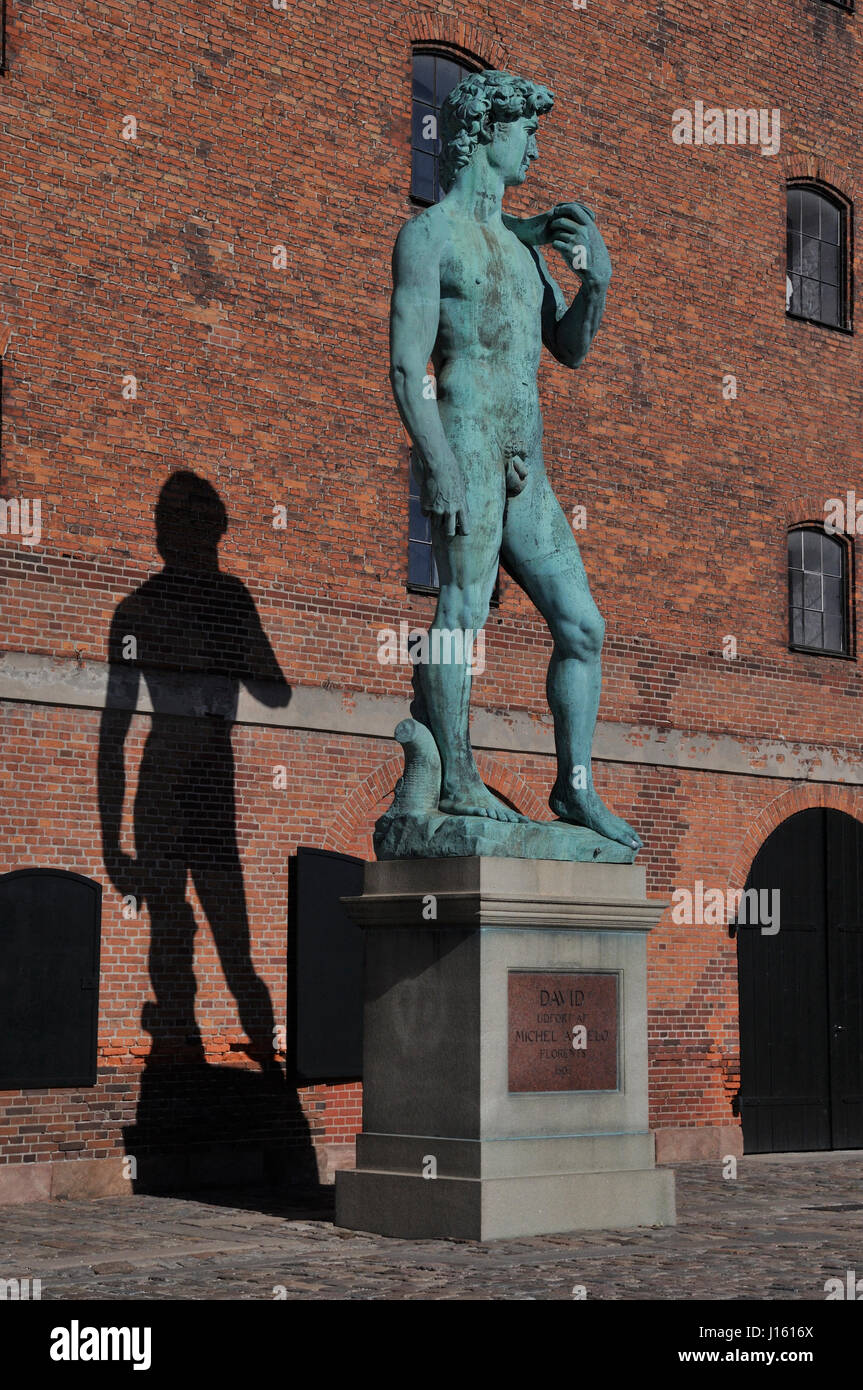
x=481 y=1119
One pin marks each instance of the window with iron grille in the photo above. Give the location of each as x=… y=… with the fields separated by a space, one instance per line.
x=816 y=287
x=818 y=618
x=434 y=76
x=422 y=570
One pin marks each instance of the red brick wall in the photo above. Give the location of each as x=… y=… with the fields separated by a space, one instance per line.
x=258 y=127
x=707 y=823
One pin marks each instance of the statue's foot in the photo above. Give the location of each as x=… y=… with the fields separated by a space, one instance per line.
x=475 y=799
x=585 y=808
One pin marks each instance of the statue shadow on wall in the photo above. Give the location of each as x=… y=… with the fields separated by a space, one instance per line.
x=192 y=634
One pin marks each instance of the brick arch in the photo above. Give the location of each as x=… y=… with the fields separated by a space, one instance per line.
x=821 y=170
x=803 y=509
x=346 y=827
x=502 y=779
x=788 y=803
x=343 y=829
x=451 y=32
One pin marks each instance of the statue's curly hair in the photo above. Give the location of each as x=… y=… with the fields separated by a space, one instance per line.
x=475 y=106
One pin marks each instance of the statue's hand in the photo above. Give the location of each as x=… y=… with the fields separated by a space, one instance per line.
x=572 y=231
x=442 y=494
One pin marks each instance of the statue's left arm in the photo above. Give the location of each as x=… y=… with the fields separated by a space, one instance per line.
x=571 y=229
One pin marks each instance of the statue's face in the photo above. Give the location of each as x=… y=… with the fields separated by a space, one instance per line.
x=513 y=148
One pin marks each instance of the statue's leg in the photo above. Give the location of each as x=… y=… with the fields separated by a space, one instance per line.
x=539 y=550
x=467 y=569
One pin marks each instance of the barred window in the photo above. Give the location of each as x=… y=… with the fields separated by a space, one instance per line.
x=422 y=570
x=434 y=76
x=816 y=243
x=818 y=592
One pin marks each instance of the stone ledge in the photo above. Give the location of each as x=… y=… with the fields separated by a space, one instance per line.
x=506 y=1157
x=480 y=891
x=414 y=1208
x=702 y=1143
x=214 y=1165
x=63 y=1178
x=63 y=681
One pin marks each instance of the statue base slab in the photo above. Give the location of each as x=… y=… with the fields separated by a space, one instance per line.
x=439 y=834
x=505 y=1051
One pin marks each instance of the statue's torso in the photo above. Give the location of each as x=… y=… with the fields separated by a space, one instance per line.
x=489 y=339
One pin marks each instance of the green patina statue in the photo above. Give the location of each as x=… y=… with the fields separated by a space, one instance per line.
x=473 y=294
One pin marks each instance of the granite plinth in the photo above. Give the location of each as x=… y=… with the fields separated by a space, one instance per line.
x=448 y=1148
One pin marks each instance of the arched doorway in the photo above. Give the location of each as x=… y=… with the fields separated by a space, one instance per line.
x=801 y=990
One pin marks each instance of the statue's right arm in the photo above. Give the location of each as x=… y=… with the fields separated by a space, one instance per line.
x=414 y=319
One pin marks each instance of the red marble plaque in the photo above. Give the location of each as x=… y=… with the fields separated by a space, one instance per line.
x=563 y=1031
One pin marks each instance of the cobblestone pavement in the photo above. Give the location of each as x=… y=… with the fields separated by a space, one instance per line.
x=777 y=1231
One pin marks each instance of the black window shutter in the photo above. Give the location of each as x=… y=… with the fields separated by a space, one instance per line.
x=50 y=928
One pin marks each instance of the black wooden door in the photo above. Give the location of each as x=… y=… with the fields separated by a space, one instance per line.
x=49 y=978
x=801 y=990
x=845 y=977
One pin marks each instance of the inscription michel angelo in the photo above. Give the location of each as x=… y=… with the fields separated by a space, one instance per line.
x=562 y=1031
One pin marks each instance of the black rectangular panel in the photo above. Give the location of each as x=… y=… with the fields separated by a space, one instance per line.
x=50 y=926
x=784 y=1065
x=845 y=964
x=329 y=967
